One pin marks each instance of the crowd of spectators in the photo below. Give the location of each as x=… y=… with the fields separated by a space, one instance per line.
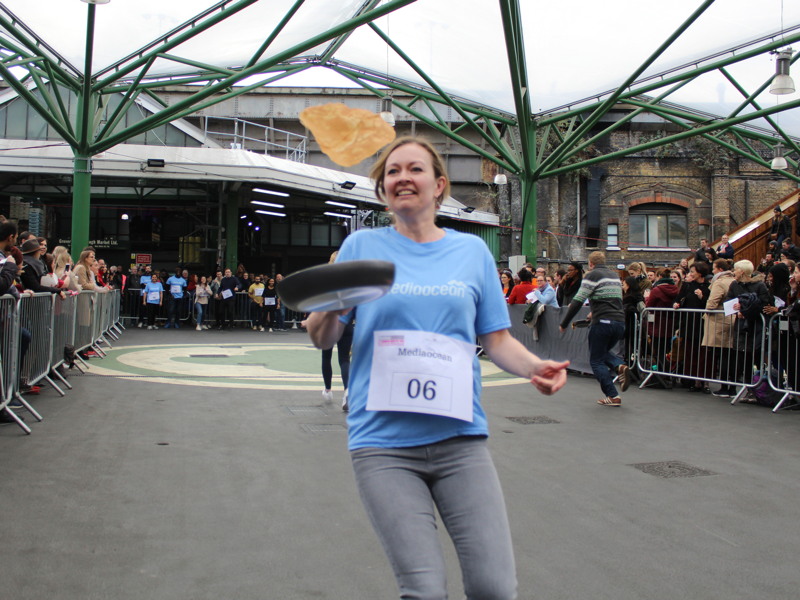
x=28 y=267
x=683 y=336
x=222 y=300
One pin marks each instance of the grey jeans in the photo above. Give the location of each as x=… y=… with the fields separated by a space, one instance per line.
x=400 y=488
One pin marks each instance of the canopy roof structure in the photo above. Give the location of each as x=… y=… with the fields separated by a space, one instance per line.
x=533 y=78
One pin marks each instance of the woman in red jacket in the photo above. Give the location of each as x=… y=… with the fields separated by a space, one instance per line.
x=522 y=289
x=660 y=326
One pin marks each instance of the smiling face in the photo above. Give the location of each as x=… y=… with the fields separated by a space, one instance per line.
x=676 y=277
x=410 y=184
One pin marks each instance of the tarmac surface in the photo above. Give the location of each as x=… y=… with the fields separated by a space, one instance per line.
x=236 y=484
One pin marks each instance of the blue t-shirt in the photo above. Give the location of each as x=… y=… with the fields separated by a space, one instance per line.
x=152 y=287
x=448 y=287
x=179 y=281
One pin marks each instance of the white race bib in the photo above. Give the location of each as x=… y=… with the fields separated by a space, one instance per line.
x=175 y=289
x=269 y=301
x=258 y=291
x=421 y=372
x=153 y=296
x=227 y=294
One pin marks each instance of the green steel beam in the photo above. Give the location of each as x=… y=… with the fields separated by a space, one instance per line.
x=127 y=101
x=160 y=118
x=37 y=106
x=338 y=42
x=206 y=68
x=52 y=105
x=753 y=156
x=186 y=105
x=275 y=32
x=440 y=125
x=443 y=129
x=673 y=138
x=750 y=99
x=515 y=49
x=435 y=86
x=626 y=119
x=669 y=80
x=606 y=105
x=176 y=37
x=13 y=26
x=412 y=90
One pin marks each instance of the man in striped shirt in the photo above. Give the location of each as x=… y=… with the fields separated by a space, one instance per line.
x=602 y=287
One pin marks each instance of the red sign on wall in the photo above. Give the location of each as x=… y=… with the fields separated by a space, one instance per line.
x=144 y=259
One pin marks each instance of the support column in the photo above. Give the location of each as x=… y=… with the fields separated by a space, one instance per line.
x=529 y=217
x=231 y=229
x=81 y=201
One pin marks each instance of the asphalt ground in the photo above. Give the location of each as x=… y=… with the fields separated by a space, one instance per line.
x=156 y=478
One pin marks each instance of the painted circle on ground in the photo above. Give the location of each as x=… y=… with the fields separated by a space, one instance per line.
x=248 y=366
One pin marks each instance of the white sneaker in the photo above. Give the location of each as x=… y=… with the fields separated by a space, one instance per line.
x=261 y=329
x=198 y=328
x=327 y=396
x=150 y=327
x=140 y=324
x=345 y=405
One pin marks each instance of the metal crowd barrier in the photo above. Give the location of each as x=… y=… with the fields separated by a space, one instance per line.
x=64 y=312
x=783 y=361
x=36 y=316
x=670 y=346
x=10 y=337
x=36 y=329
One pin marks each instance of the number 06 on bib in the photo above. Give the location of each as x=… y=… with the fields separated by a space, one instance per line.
x=421 y=372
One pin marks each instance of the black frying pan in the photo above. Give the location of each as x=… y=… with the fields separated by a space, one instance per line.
x=336 y=286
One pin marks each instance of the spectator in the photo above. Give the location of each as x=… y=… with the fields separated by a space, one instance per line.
x=718 y=333
x=638 y=270
x=660 y=329
x=62 y=269
x=215 y=298
x=632 y=304
x=766 y=263
x=752 y=296
x=228 y=287
x=700 y=254
x=724 y=248
x=693 y=295
x=572 y=282
x=558 y=283
x=177 y=288
x=544 y=292
x=280 y=312
x=84 y=272
x=780 y=228
x=202 y=293
x=519 y=294
x=271 y=302
x=34 y=269
x=152 y=299
x=256 y=294
x=790 y=250
x=506 y=282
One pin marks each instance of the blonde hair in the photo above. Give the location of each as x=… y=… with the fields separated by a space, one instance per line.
x=378 y=171
x=745 y=265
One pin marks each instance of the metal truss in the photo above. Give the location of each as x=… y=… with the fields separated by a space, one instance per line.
x=87 y=109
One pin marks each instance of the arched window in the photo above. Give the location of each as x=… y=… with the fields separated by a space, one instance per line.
x=658 y=225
